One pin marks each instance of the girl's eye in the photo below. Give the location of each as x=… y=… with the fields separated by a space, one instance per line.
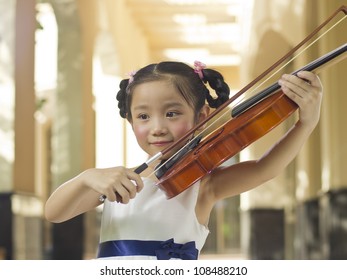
x=143 y=117
x=171 y=114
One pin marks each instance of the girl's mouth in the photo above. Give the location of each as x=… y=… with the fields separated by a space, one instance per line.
x=161 y=143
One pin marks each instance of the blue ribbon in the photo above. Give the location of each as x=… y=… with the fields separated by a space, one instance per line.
x=169 y=249
x=163 y=250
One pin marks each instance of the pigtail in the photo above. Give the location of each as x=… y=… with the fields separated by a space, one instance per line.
x=216 y=82
x=122 y=98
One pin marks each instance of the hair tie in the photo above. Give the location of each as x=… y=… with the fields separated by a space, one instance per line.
x=131 y=76
x=198 y=67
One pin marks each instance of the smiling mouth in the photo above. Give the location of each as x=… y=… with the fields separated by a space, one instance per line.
x=161 y=143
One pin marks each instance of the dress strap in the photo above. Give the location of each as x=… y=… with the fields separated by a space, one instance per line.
x=163 y=250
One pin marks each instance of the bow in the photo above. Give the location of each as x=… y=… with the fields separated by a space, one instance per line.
x=198 y=67
x=169 y=249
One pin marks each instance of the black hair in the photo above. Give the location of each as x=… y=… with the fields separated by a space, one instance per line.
x=183 y=77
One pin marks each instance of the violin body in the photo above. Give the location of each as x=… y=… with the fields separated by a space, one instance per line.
x=227 y=141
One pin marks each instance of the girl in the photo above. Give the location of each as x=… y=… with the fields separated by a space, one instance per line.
x=162 y=102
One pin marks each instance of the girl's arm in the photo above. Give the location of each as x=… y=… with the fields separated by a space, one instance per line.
x=238 y=178
x=82 y=193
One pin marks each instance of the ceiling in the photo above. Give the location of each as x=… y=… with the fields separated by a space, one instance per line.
x=207 y=30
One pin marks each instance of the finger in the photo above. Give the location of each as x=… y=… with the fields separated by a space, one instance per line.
x=130 y=187
x=111 y=195
x=123 y=194
x=310 y=77
x=291 y=90
x=293 y=96
x=296 y=84
x=137 y=180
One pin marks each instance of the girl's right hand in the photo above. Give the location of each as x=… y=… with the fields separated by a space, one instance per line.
x=117 y=183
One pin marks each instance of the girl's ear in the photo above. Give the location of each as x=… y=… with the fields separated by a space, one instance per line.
x=204 y=112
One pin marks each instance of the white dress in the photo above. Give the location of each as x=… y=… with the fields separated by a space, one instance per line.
x=128 y=231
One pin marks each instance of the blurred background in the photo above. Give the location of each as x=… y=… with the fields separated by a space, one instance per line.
x=60 y=65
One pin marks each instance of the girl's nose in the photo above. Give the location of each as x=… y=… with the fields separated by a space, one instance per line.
x=159 y=128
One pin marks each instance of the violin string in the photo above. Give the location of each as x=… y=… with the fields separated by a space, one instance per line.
x=267 y=79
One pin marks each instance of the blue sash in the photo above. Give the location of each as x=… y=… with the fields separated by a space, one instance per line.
x=163 y=250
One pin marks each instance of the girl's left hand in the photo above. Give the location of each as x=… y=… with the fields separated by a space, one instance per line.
x=306 y=91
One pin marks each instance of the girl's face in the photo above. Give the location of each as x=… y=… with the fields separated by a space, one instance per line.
x=160 y=115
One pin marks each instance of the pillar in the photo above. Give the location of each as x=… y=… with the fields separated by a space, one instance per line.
x=73 y=148
x=7 y=97
x=21 y=230
x=303 y=241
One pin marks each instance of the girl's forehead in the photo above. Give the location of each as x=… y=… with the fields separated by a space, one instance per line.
x=157 y=94
x=158 y=89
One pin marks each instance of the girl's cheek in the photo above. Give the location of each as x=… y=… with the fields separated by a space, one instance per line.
x=139 y=131
x=182 y=128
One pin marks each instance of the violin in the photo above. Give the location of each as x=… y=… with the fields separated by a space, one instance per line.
x=251 y=120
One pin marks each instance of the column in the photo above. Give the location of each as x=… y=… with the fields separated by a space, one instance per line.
x=21 y=227
x=73 y=123
x=7 y=97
